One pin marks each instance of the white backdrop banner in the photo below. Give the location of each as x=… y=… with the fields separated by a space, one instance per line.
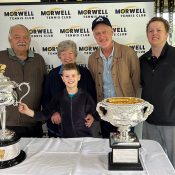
x=50 y=24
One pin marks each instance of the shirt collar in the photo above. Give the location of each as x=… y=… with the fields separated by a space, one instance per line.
x=111 y=55
x=12 y=53
x=148 y=56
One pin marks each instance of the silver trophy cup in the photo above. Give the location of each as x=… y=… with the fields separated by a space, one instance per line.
x=124 y=113
x=8 y=139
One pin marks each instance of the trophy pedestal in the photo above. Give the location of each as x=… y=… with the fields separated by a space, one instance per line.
x=124 y=113
x=124 y=155
x=10 y=153
x=13 y=162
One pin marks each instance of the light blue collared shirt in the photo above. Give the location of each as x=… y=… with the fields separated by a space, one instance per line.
x=108 y=86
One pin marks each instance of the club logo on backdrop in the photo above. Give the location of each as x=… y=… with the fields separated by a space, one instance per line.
x=56 y=13
x=93 y=12
x=50 y=50
x=32 y=49
x=119 y=31
x=52 y=22
x=139 y=48
x=75 y=31
x=49 y=67
x=89 y=49
x=131 y=11
x=19 y=14
x=40 y=31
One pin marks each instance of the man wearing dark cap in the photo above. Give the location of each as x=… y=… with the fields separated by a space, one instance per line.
x=114 y=67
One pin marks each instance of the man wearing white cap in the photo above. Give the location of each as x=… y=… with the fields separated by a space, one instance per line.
x=114 y=67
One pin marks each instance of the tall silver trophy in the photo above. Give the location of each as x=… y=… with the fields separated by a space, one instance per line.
x=124 y=113
x=10 y=153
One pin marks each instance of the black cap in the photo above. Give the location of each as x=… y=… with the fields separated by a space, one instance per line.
x=101 y=19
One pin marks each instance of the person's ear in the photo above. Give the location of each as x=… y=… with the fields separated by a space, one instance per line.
x=62 y=78
x=112 y=30
x=79 y=77
x=9 y=39
x=30 y=40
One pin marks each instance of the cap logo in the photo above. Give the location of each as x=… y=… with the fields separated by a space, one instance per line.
x=99 y=19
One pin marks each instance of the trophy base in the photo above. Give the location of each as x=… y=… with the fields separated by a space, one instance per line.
x=123 y=166
x=131 y=139
x=8 y=138
x=7 y=135
x=124 y=155
x=13 y=162
x=10 y=152
x=125 y=144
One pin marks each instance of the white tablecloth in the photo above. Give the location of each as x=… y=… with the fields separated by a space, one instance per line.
x=83 y=156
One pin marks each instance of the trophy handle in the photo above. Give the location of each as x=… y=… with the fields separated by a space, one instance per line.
x=101 y=109
x=149 y=110
x=28 y=90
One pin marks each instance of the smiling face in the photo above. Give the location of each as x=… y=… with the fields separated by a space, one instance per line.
x=67 y=56
x=103 y=35
x=19 y=39
x=157 y=34
x=71 y=78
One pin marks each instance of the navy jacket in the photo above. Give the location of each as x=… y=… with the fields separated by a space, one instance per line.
x=158 y=85
x=73 y=111
x=54 y=85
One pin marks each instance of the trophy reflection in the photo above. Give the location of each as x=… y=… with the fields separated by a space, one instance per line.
x=124 y=113
x=10 y=153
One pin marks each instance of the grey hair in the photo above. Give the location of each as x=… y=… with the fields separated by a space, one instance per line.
x=17 y=25
x=67 y=44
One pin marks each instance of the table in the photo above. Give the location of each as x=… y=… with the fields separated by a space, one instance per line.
x=83 y=156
